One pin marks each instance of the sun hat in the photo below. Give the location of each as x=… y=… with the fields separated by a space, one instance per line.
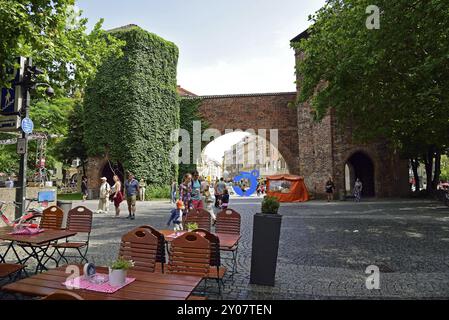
x=180 y=204
x=103 y=178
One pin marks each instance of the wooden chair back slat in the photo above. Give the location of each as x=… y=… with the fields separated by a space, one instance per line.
x=80 y=220
x=190 y=255
x=52 y=218
x=228 y=221
x=199 y=216
x=141 y=246
x=160 y=257
x=215 y=258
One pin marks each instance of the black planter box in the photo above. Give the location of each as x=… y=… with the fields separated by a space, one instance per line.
x=266 y=232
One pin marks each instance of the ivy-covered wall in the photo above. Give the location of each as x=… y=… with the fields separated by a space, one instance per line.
x=189 y=111
x=131 y=107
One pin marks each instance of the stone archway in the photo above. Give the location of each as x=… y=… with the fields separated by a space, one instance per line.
x=360 y=165
x=257 y=112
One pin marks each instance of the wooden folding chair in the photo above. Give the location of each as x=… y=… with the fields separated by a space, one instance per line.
x=62 y=295
x=79 y=220
x=10 y=270
x=160 y=257
x=190 y=255
x=216 y=272
x=51 y=219
x=140 y=246
x=229 y=222
x=200 y=217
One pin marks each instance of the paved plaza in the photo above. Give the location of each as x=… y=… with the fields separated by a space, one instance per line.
x=324 y=248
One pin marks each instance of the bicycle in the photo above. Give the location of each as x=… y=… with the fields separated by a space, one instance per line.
x=30 y=218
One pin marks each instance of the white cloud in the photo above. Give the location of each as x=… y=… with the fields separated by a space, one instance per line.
x=254 y=75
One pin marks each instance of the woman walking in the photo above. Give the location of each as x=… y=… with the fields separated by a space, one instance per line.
x=197 y=202
x=185 y=192
x=358 y=186
x=117 y=195
x=84 y=189
x=330 y=187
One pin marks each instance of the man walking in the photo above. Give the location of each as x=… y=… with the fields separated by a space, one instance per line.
x=219 y=190
x=132 y=190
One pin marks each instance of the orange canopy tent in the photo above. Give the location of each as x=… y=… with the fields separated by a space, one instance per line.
x=287 y=188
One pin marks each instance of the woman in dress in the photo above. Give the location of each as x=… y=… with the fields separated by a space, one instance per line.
x=358 y=190
x=185 y=192
x=117 y=195
x=84 y=188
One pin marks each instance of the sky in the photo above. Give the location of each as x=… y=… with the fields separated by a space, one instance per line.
x=226 y=46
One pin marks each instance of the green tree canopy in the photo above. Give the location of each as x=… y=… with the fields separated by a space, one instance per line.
x=387 y=83
x=54 y=35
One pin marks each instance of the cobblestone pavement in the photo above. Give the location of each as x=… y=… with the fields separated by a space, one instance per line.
x=324 y=248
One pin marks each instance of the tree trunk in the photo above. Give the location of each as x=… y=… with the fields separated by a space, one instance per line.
x=428 y=162
x=415 y=166
x=436 y=176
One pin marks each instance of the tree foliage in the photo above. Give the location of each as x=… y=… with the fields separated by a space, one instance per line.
x=72 y=145
x=54 y=35
x=388 y=83
x=50 y=117
x=132 y=107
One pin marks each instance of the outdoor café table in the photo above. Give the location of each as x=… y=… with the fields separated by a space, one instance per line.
x=38 y=244
x=147 y=286
x=227 y=241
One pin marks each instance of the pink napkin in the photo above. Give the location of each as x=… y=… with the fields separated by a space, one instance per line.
x=83 y=283
x=27 y=231
x=174 y=236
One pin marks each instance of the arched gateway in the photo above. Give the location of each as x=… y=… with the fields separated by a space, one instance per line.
x=258 y=112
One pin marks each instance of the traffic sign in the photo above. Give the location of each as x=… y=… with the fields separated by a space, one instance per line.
x=27 y=125
x=21 y=146
x=7 y=100
x=9 y=123
x=11 y=98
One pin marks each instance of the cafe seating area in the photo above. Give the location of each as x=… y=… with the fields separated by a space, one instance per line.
x=166 y=264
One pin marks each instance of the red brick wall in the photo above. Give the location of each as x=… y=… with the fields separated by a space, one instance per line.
x=324 y=150
x=264 y=111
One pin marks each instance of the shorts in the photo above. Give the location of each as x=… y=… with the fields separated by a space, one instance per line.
x=131 y=200
x=197 y=204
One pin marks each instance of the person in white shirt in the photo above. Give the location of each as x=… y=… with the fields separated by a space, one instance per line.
x=105 y=189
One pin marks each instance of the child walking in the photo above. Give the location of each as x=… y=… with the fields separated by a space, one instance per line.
x=176 y=216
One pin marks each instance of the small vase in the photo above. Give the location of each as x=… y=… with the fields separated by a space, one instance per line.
x=117 y=278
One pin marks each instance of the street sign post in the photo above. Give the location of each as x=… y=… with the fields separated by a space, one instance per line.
x=27 y=125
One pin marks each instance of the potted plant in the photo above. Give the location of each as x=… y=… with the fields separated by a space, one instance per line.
x=118 y=271
x=265 y=245
x=191 y=226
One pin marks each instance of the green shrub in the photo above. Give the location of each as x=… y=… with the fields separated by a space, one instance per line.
x=270 y=205
x=157 y=192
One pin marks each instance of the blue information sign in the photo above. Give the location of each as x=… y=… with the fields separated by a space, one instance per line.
x=27 y=125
